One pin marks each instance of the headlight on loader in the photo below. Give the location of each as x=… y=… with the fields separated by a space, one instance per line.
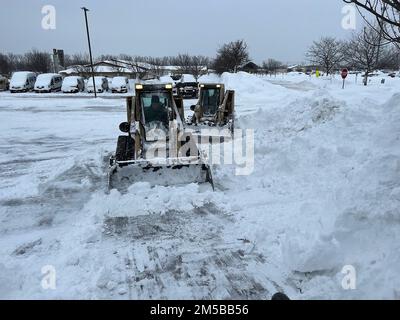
x=168 y=86
x=139 y=87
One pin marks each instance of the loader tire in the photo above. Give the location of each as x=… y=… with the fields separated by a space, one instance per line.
x=125 y=149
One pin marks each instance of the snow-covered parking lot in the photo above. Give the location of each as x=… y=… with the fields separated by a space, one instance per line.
x=324 y=194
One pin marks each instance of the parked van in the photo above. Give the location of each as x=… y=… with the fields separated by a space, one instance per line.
x=101 y=84
x=22 y=81
x=48 y=82
x=73 y=84
x=120 y=84
x=4 y=83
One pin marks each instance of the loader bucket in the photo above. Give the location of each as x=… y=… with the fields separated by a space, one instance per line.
x=122 y=175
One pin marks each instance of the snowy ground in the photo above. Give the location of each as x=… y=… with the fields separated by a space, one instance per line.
x=325 y=193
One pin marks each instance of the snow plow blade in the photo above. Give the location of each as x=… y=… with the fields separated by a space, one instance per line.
x=178 y=171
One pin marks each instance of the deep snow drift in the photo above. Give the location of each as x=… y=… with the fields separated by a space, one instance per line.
x=325 y=193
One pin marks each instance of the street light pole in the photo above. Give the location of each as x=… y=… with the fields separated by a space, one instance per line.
x=90 y=50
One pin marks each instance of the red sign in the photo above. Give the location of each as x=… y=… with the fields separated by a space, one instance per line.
x=345 y=72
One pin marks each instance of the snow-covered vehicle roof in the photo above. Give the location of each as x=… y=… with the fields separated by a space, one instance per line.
x=71 y=80
x=20 y=76
x=45 y=78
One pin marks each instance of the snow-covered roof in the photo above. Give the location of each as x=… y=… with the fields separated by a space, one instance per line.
x=20 y=75
x=46 y=76
x=71 y=80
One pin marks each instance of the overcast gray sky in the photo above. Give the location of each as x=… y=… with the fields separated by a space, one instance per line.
x=272 y=28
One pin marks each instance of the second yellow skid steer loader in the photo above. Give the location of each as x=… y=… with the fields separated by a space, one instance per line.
x=156 y=147
x=215 y=109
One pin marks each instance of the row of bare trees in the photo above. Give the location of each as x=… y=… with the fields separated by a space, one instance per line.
x=230 y=57
x=367 y=51
x=271 y=66
x=33 y=60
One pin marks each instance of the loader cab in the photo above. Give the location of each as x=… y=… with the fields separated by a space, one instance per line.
x=153 y=108
x=210 y=99
x=156 y=107
x=215 y=106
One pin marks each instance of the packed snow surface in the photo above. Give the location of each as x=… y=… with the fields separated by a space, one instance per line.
x=324 y=194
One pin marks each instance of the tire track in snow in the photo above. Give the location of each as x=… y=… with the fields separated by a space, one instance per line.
x=183 y=256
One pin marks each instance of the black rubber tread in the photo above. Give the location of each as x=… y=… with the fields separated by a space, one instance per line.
x=125 y=149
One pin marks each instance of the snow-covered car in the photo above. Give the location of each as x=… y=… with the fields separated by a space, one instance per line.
x=48 y=82
x=188 y=90
x=73 y=84
x=101 y=84
x=4 y=83
x=120 y=84
x=22 y=81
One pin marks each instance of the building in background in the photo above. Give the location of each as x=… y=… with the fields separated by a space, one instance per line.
x=57 y=60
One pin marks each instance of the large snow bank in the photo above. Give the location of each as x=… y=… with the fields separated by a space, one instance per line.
x=325 y=191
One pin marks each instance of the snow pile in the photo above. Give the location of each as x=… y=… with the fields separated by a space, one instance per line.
x=143 y=199
x=328 y=174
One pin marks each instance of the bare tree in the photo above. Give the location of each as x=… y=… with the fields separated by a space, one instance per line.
x=79 y=62
x=183 y=61
x=363 y=51
x=105 y=57
x=5 y=67
x=271 y=66
x=387 y=14
x=389 y=58
x=194 y=65
x=38 y=61
x=326 y=53
x=17 y=62
x=199 y=66
x=231 y=56
x=77 y=59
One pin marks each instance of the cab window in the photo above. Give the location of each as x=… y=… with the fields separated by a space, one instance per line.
x=155 y=106
x=210 y=100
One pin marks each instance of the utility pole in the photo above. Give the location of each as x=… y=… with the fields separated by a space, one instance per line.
x=90 y=49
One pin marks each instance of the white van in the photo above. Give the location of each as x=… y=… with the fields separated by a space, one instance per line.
x=73 y=84
x=101 y=84
x=48 y=82
x=120 y=84
x=22 y=81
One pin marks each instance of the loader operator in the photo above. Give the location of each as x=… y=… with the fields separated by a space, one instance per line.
x=156 y=111
x=210 y=101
